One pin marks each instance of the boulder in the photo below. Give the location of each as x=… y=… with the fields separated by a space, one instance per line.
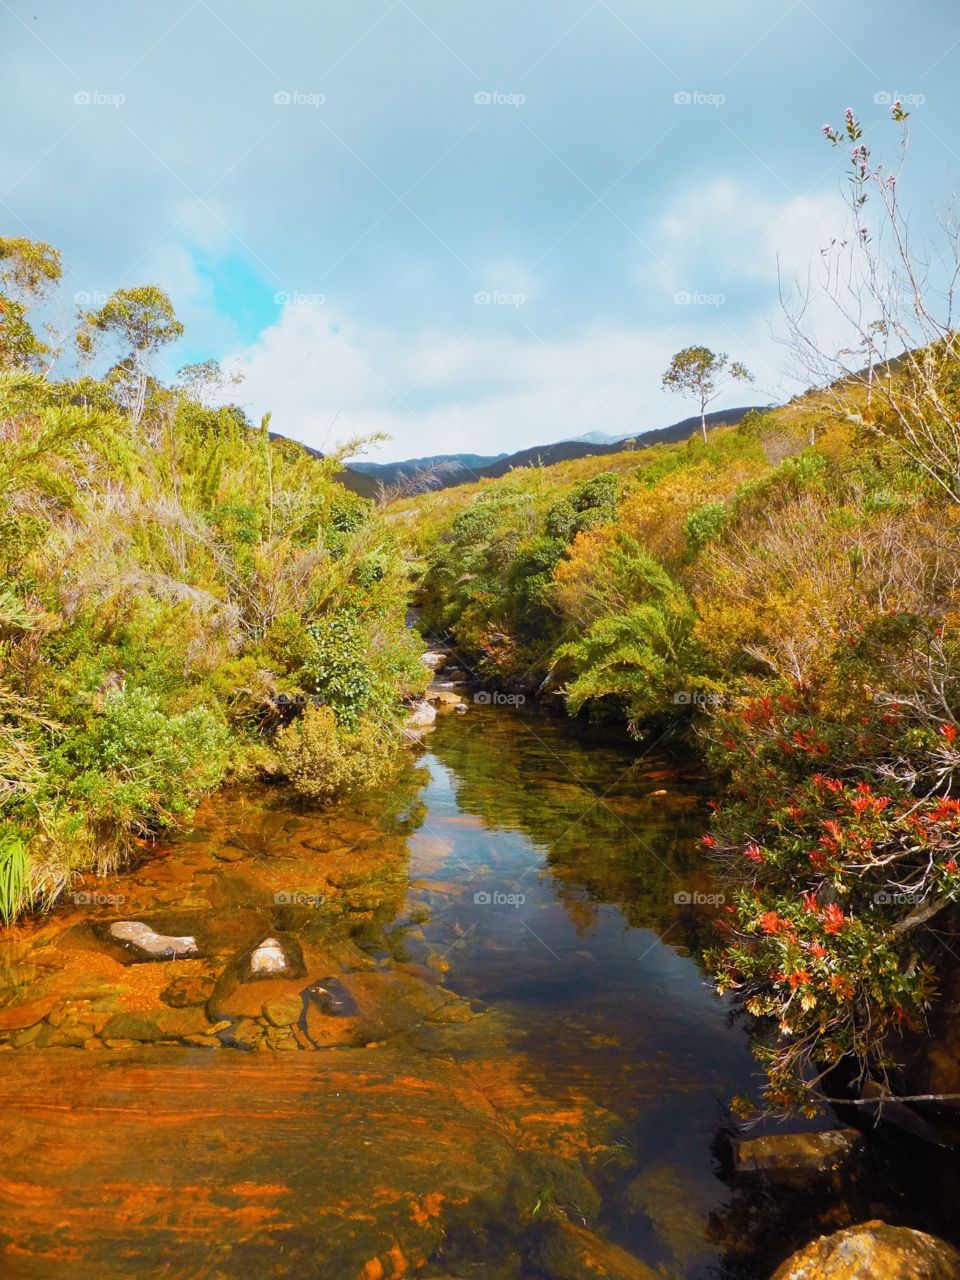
x=17 y=1017
x=273 y=958
x=873 y=1251
x=284 y=1011
x=435 y=659
x=787 y=1157
x=146 y=944
x=422 y=716
x=243 y=1034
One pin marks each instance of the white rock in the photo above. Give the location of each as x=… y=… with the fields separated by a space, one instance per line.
x=155 y=945
x=268 y=958
x=435 y=658
x=421 y=716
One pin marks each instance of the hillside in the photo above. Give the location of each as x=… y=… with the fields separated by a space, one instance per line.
x=365 y=478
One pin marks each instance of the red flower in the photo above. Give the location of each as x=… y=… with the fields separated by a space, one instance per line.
x=753 y=854
x=948 y=731
x=770 y=922
x=833 y=918
x=708 y=842
x=810 y=900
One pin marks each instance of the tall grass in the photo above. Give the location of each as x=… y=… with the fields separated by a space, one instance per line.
x=15 y=889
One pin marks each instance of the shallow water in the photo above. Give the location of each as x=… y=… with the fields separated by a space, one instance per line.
x=498 y=1021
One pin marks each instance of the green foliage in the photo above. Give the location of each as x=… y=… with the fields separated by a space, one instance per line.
x=172 y=581
x=701 y=373
x=136 y=766
x=705 y=524
x=15 y=892
x=640 y=658
x=324 y=763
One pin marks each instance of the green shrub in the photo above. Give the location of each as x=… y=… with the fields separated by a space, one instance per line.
x=323 y=762
x=136 y=766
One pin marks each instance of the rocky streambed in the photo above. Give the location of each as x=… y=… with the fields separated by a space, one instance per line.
x=456 y=1030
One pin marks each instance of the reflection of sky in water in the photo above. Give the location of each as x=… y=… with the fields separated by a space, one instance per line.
x=604 y=1009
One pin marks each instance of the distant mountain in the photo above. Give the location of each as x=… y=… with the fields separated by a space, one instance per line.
x=366 y=477
x=388 y=473
x=565 y=450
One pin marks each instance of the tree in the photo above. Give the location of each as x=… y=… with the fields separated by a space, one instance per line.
x=27 y=269
x=700 y=372
x=143 y=320
x=205 y=380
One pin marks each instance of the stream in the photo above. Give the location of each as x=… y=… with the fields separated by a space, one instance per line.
x=409 y=1037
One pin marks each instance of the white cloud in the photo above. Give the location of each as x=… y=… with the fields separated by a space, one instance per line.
x=724 y=232
x=442 y=393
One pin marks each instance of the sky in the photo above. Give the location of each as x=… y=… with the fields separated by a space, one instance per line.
x=469 y=227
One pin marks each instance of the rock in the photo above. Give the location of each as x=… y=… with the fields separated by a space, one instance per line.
x=27 y=1036
x=325 y=1030
x=444 y=697
x=794 y=1156
x=244 y=1034
x=232 y=999
x=229 y=854
x=17 y=1016
x=422 y=716
x=565 y=1251
x=873 y=1251
x=271 y=959
x=131 y=1026
x=435 y=659
x=147 y=944
x=333 y=998
x=285 y=1011
x=181 y=1024
x=461 y=708
x=190 y=990
x=160 y=1024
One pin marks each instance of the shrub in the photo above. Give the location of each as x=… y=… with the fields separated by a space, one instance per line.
x=323 y=762
x=136 y=766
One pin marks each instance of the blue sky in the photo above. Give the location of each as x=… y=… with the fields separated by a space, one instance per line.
x=466 y=226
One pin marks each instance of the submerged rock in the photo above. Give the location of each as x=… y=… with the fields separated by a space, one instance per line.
x=273 y=957
x=794 y=1156
x=146 y=944
x=565 y=1251
x=333 y=998
x=873 y=1251
x=191 y=990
